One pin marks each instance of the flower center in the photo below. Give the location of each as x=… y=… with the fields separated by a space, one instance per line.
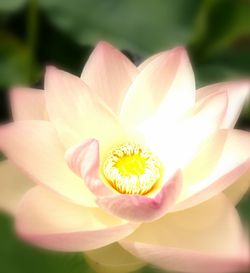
x=132 y=169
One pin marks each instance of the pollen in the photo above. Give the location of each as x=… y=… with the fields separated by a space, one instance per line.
x=132 y=169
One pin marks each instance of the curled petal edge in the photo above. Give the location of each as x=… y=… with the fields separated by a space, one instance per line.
x=140 y=208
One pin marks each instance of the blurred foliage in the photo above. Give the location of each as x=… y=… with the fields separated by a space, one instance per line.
x=243 y=209
x=217 y=34
x=34 y=33
x=14 y=63
x=221 y=24
x=7 y=6
x=138 y=25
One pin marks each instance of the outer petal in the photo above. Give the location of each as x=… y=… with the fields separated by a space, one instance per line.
x=237 y=93
x=166 y=82
x=34 y=147
x=46 y=220
x=13 y=185
x=140 y=208
x=204 y=239
x=233 y=162
x=109 y=73
x=28 y=104
x=238 y=189
x=113 y=259
x=76 y=112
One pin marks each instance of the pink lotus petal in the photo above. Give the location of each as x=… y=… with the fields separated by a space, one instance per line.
x=207 y=238
x=142 y=65
x=13 y=184
x=28 y=104
x=233 y=162
x=237 y=94
x=178 y=144
x=35 y=148
x=48 y=221
x=109 y=73
x=76 y=112
x=140 y=208
x=165 y=84
x=83 y=159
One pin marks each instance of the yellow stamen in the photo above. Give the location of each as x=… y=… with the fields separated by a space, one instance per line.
x=132 y=169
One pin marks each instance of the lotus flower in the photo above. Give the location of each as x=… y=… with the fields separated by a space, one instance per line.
x=132 y=165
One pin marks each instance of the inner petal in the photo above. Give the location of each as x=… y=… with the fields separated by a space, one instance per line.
x=132 y=169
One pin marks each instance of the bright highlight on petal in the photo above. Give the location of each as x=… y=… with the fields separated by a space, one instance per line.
x=132 y=169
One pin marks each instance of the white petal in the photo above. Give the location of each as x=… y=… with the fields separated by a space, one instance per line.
x=35 y=148
x=207 y=238
x=164 y=84
x=76 y=112
x=237 y=94
x=176 y=145
x=216 y=169
x=49 y=221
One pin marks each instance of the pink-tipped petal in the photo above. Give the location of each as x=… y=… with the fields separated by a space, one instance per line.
x=140 y=208
x=49 y=221
x=207 y=238
x=143 y=64
x=109 y=73
x=237 y=94
x=83 y=159
x=165 y=84
x=13 y=185
x=76 y=112
x=233 y=162
x=178 y=144
x=35 y=148
x=28 y=104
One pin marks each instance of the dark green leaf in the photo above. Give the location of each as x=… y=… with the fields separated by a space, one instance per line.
x=220 y=25
x=16 y=67
x=143 y=26
x=229 y=65
x=11 y=5
x=244 y=208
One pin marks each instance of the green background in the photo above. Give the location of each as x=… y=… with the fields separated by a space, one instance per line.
x=36 y=33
